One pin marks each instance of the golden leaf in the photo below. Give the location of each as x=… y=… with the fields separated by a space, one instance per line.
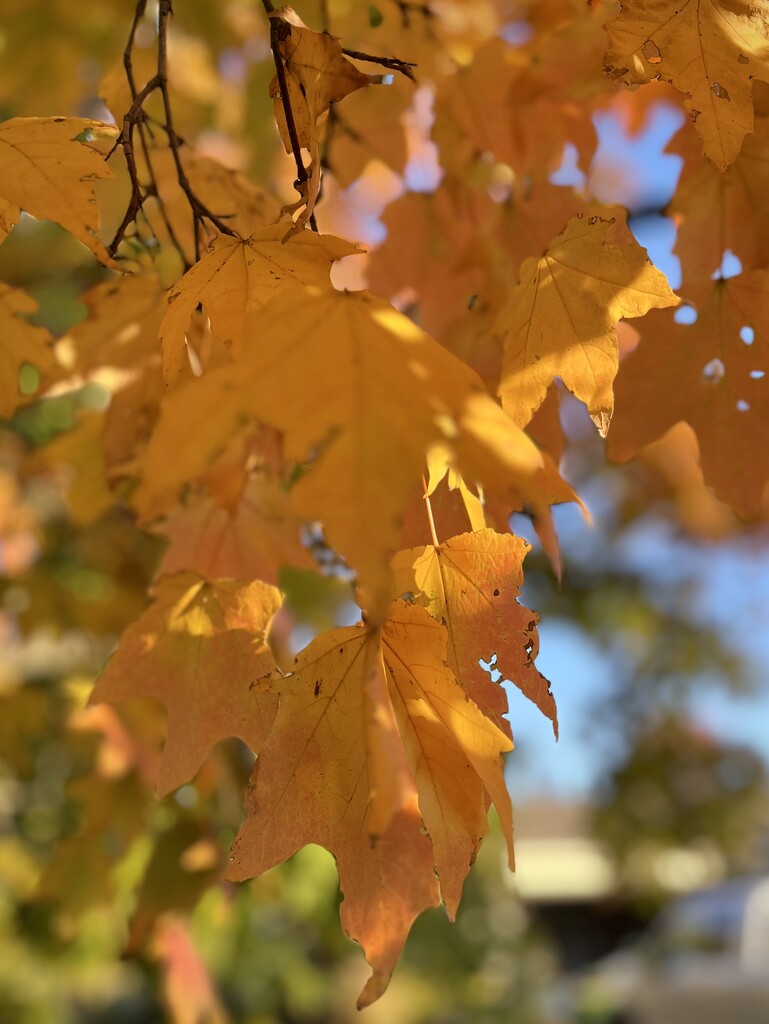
x=317 y=74
x=22 y=343
x=194 y=634
x=471 y=584
x=561 y=319
x=335 y=729
x=235 y=278
x=44 y=171
x=361 y=393
x=373 y=737
x=711 y=50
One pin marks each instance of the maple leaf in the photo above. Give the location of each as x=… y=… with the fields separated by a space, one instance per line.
x=237 y=277
x=371 y=738
x=250 y=539
x=246 y=207
x=561 y=319
x=457 y=249
x=121 y=328
x=712 y=374
x=22 y=343
x=79 y=458
x=335 y=728
x=497 y=104
x=722 y=210
x=361 y=392
x=711 y=50
x=454 y=750
x=194 y=635
x=317 y=74
x=471 y=584
x=44 y=171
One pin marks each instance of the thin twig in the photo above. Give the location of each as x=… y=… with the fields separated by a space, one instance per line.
x=404 y=66
x=199 y=209
x=136 y=117
x=143 y=125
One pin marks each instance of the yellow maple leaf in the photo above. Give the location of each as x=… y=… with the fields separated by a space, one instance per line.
x=236 y=277
x=471 y=584
x=250 y=540
x=45 y=171
x=374 y=737
x=22 y=343
x=361 y=393
x=332 y=763
x=193 y=634
x=453 y=749
x=561 y=319
x=121 y=328
x=711 y=50
x=78 y=456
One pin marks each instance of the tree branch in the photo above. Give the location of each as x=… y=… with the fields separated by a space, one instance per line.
x=136 y=117
x=277 y=30
x=404 y=66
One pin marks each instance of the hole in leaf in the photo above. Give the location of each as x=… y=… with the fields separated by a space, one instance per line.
x=569 y=173
x=747 y=334
x=714 y=371
x=743 y=406
x=685 y=315
x=757 y=374
x=490 y=666
x=730 y=266
x=651 y=51
x=718 y=90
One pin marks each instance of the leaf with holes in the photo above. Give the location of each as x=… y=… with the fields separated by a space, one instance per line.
x=712 y=374
x=709 y=49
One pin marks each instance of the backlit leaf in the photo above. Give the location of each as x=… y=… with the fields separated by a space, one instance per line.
x=709 y=49
x=561 y=319
x=45 y=172
x=194 y=634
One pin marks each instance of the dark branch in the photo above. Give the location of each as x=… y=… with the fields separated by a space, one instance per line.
x=404 y=66
x=137 y=118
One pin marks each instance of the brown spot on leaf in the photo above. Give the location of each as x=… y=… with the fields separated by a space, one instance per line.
x=651 y=52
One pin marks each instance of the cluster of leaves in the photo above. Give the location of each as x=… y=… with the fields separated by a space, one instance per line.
x=254 y=406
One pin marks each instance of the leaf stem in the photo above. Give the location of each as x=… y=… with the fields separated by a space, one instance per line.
x=430 y=517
